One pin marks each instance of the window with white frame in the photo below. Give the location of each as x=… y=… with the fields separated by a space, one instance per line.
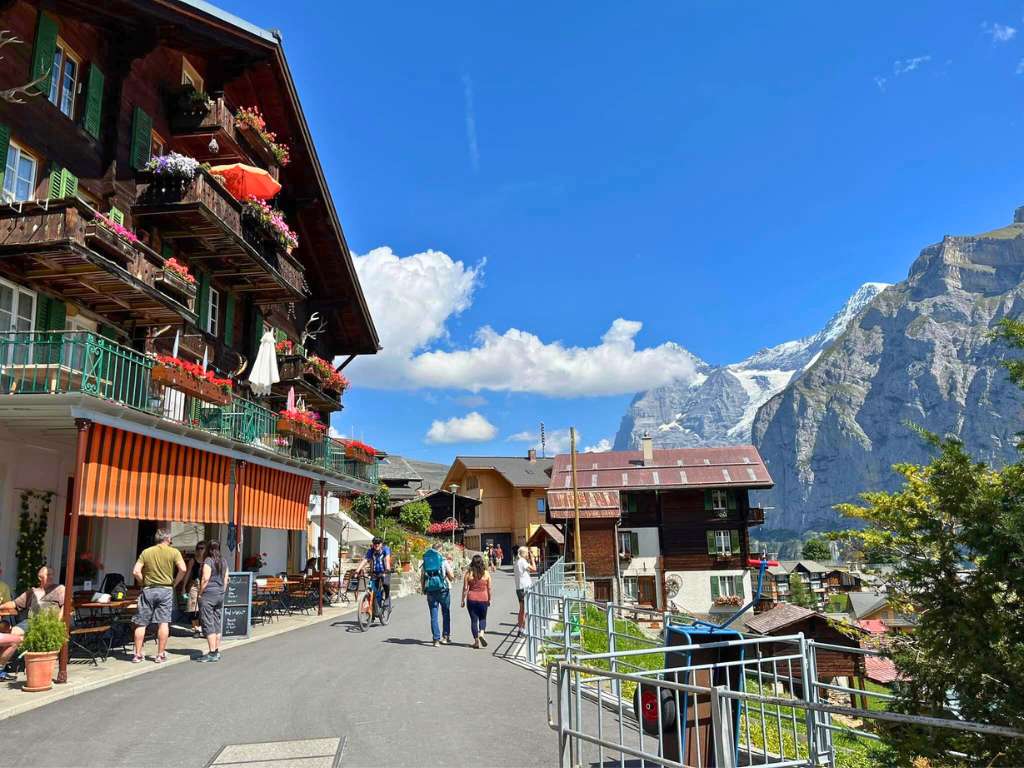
x=189 y=75
x=64 y=78
x=629 y=544
x=630 y=590
x=20 y=174
x=213 y=315
x=726 y=586
x=719 y=501
x=723 y=542
x=17 y=313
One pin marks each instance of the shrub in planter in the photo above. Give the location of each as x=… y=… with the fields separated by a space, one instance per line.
x=43 y=640
x=415 y=516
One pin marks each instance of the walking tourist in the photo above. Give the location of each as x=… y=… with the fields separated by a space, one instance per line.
x=46 y=594
x=476 y=596
x=499 y=556
x=524 y=567
x=157 y=568
x=435 y=580
x=211 y=599
x=195 y=576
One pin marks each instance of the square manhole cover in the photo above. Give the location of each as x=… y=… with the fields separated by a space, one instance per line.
x=299 y=753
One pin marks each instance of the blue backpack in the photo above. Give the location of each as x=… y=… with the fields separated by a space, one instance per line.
x=433 y=572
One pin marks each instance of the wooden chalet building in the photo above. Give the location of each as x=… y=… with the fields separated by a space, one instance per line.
x=121 y=274
x=664 y=528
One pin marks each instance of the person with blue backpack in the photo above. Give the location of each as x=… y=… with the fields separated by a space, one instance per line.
x=435 y=579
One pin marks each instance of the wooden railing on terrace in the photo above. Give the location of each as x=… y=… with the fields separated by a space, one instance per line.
x=80 y=362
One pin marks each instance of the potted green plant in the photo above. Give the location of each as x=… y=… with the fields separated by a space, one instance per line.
x=44 y=637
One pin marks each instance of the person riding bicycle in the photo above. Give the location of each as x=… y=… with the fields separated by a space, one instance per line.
x=378 y=558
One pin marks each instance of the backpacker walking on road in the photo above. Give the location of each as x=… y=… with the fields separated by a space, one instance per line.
x=435 y=580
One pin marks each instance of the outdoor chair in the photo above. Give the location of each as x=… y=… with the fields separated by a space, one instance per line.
x=92 y=641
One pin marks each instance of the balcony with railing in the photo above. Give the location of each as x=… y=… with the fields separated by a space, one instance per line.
x=296 y=373
x=63 y=246
x=83 y=363
x=207 y=131
x=206 y=221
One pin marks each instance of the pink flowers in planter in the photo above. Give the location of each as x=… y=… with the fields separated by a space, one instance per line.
x=118 y=229
x=179 y=269
x=448 y=526
x=271 y=220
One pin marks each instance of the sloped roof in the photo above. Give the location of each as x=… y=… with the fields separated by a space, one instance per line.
x=593 y=504
x=811 y=566
x=431 y=473
x=393 y=467
x=782 y=615
x=880 y=670
x=519 y=471
x=548 y=530
x=865 y=603
x=737 y=466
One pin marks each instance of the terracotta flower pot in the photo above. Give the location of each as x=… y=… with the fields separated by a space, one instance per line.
x=39 y=671
x=406 y=567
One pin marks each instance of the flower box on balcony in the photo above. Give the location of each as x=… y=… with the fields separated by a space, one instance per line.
x=361 y=452
x=307 y=432
x=111 y=245
x=200 y=388
x=170 y=281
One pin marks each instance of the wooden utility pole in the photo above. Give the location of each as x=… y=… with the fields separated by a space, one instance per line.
x=575 y=506
x=82 y=425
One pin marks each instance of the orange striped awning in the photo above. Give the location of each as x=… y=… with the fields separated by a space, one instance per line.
x=139 y=477
x=270 y=498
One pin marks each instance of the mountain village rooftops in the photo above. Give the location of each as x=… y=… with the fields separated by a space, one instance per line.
x=519 y=471
x=782 y=615
x=865 y=603
x=593 y=504
x=729 y=467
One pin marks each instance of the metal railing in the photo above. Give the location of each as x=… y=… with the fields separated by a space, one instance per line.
x=81 y=362
x=750 y=701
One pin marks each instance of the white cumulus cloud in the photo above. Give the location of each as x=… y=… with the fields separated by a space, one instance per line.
x=413 y=297
x=603 y=446
x=471 y=428
x=557 y=441
x=1000 y=33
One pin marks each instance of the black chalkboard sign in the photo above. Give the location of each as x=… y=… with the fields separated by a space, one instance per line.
x=237 y=612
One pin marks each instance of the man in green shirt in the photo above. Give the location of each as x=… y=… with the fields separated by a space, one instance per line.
x=157 y=569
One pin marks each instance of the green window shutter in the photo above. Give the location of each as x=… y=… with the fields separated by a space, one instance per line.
x=166 y=249
x=57 y=316
x=712 y=547
x=229 y=319
x=108 y=332
x=731 y=496
x=116 y=215
x=69 y=185
x=715 y=591
x=740 y=592
x=142 y=137
x=5 y=143
x=707 y=501
x=42 y=313
x=93 y=102
x=203 y=303
x=56 y=183
x=42 y=53
x=734 y=542
x=255 y=331
x=634 y=542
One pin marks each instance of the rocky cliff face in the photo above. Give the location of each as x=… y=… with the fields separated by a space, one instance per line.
x=920 y=352
x=718 y=407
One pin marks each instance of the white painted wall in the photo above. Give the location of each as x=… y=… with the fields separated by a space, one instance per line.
x=117 y=549
x=275 y=543
x=646 y=539
x=695 y=592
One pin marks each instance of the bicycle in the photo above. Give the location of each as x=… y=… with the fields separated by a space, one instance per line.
x=373 y=605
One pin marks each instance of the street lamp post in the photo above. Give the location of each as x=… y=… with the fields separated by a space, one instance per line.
x=453 y=488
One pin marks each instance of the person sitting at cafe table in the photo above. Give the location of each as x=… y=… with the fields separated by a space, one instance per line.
x=46 y=595
x=158 y=568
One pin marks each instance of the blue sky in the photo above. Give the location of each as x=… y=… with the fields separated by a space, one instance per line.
x=725 y=174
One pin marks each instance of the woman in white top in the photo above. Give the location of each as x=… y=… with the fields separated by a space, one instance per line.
x=524 y=567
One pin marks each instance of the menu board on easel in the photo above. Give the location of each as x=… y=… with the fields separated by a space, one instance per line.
x=237 y=613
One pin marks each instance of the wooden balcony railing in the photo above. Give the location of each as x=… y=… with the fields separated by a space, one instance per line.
x=79 y=362
x=193 y=131
x=756 y=516
x=61 y=245
x=207 y=222
x=294 y=372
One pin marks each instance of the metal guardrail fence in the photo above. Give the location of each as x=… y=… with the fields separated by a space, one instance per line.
x=81 y=362
x=754 y=701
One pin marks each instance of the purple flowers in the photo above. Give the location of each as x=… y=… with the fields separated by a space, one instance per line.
x=173 y=165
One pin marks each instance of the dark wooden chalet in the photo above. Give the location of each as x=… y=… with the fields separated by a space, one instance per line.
x=104 y=264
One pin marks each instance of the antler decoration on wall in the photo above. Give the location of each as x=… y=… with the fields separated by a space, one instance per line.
x=16 y=95
x=314 y=327
x=242 y=364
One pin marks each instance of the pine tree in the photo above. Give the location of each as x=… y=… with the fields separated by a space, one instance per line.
x=799 y=593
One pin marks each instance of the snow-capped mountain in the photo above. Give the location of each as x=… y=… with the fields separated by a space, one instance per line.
x=718 y=406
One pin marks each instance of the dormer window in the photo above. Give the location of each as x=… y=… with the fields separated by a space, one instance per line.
x=64 y=78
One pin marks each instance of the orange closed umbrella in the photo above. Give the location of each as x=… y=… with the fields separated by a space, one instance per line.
x=245 y=181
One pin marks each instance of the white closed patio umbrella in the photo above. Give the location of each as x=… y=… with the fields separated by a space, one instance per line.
x=264 y=370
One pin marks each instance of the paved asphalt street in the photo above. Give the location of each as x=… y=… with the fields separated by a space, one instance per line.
x=392 y=698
